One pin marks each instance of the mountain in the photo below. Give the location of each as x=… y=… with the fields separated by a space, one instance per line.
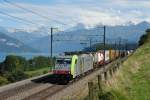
x=43 y=45
x=131 y=32
x=24 y=36
x=39 y=39
x=77 y=27
x=9 y=44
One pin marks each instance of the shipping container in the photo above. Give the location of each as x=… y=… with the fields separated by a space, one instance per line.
x=99 y=57
x=112 y=55
x=117 y=53
x=107 y=59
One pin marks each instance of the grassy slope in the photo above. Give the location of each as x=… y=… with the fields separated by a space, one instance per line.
x=132 y=82
x=38 y=72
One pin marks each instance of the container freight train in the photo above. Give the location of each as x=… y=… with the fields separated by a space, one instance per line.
x=69 y=67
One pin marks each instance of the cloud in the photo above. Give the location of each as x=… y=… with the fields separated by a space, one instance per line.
x=1 y=20
x=88 y=12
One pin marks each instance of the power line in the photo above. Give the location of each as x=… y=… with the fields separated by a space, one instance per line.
x=18 y=18
x=33 y=12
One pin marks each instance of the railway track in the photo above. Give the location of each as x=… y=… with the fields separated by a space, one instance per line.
x=17 y=90
x=25 y=90
x=48 y=92
x=35 y=90
x=21 y=95
x=40 y=89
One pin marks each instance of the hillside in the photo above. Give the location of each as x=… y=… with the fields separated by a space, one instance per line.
x=132 y=82
x=9 y=44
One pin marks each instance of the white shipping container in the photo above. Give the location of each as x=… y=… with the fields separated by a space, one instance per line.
x=98 y=57
x=107 y=56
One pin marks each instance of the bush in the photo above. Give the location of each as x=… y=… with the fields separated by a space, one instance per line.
x=15 y=76
x=3 y=81
x=45 y=71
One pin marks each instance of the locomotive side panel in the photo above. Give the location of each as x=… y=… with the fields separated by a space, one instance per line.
x=88 y=65
x=85 y=63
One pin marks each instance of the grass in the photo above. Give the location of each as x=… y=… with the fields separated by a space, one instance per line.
x=38 y=72
x=132 y=82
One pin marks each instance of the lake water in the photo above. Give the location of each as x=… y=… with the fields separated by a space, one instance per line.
x=26 y=55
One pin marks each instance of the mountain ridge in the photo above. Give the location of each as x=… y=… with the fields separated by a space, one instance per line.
x=130 y=32
x=11 y=45
x=40 y=39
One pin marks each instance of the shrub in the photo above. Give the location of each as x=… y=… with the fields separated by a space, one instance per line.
x=3 y=81
x=15 y=76
x=45 y=71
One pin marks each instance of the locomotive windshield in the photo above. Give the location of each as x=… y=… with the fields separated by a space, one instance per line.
x=63 y=63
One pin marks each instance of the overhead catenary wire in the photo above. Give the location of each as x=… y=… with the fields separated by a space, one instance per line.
x=18 y=18
x=75 y=35
x=33 y=12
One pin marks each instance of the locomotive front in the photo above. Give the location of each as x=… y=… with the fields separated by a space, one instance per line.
x=62 y=70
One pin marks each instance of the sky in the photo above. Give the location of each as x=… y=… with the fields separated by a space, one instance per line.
x=68 y=13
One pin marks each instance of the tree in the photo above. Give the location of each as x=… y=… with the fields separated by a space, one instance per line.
x=39 y=62
x=2 y=65
x=11 y=63
x=23 y=62
x=13 y=68
x=145 y=37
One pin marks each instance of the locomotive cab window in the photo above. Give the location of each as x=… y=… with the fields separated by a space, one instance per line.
x=62 y=63
x=67 y=61
x=59 y=61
